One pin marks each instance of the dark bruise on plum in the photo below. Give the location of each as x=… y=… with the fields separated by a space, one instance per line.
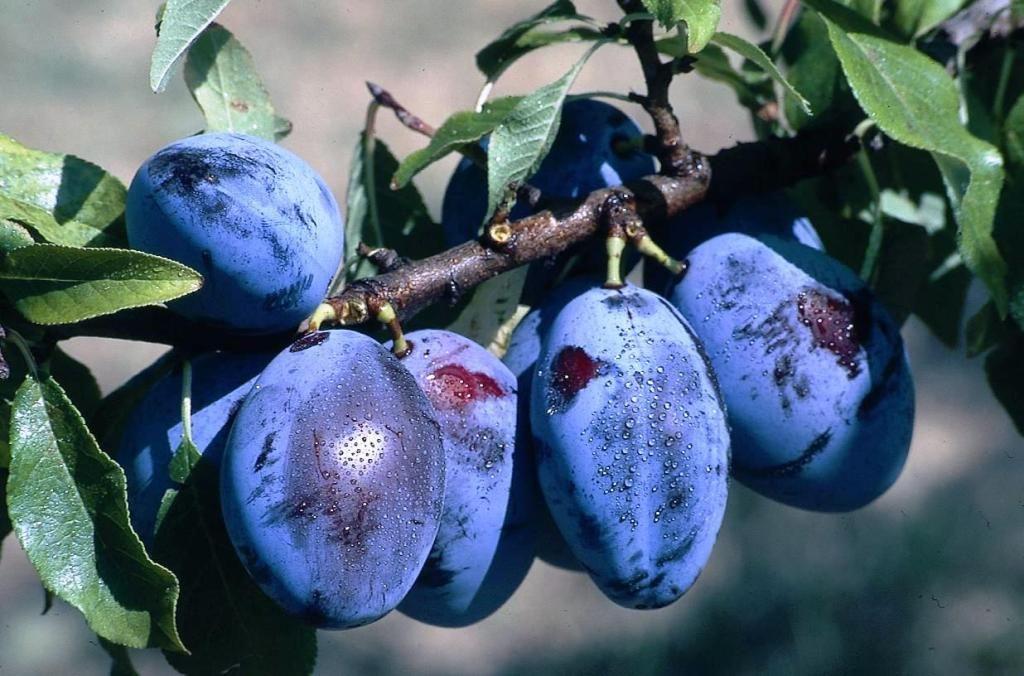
x=805 y=356
x=253 y=218
x=484 y=546
x=633 y=467
x=334 y=480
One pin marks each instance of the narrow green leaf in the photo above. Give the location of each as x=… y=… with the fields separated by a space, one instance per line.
x=13 y=235
x=459 y=129
x=756 y=55
x=1005 y=370
x=51 y=284
x=916 y=17
x=984 y=331
x=913 y=100
x=228 y=624
x=63 y=198
x=493 y=59
x=520 y=142
x=180 y=24
x=77 y=381
x=403 y=222
x=184 y=461
x=69 y=509
x=222 y=78
x=486 y=320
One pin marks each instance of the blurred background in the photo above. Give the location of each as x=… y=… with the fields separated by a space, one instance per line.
x=929 y=579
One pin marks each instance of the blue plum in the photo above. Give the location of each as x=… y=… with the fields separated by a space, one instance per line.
x=521 y=359
x=333 y=480
x=766 y=214
x=153 y=429
x=812 y=368
x=582 y=159
x=633 y=447
x=484 y=547
x=254 y=219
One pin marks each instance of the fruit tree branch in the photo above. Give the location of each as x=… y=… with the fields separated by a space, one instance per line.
x=744 y=169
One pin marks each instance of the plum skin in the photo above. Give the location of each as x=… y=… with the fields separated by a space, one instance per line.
x=582 y=159
x=333 y=480
x=633 y=447
x=763 y=214
x=484 y=546
x=254 y=219
x=812 y=368
x=153 y=430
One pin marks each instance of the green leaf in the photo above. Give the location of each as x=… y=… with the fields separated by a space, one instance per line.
x=51 y=284
x=381 y=217
x=513 y=43
x=13 y=235
x=1005 y=370
x=180 y=24
x=913 y=100
x=459 y=129
x=756 y=55
x=77 y=381
x=222 y=78
x=492 y=314
x=1013 y=134
x=520 y=142
x=69 y=508
x=984 y=330
x=183 y=461
x=228 y=624
x=814 y=71
x=63 y=198
x=914 y=18
x=701 y=17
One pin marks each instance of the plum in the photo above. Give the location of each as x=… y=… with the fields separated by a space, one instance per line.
x=633 y=447
x=254 y=219
x=333 y=480
x=484 y=547
x=152 y=432
x=812 y=368
x=766 y=214
x=521 y=359
x=582 y=159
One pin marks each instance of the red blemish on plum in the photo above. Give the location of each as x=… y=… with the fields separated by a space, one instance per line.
x=833 y=326
x=571 y=370
x=454 y=387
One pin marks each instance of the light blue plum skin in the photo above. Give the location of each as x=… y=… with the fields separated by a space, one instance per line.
x=153 y=430
x=765 y=214
x=633 y=447
x=254 y=219
x=484 y=547
x=812 y=368
x=582 y=159
x=521 y=359
x=333 y=480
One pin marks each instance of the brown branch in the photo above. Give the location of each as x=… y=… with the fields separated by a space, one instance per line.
x=447 y=275
x=671 y=151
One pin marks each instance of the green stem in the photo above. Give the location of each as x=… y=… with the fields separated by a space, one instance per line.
x=369 y=175
x=16 y=339
x=186 y=401
x=867 y=269
x=614 y=246
x=1004 y=80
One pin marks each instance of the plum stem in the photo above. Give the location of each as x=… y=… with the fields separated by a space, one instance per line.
x=386 y=315
x=186 y=401
x=614 y=245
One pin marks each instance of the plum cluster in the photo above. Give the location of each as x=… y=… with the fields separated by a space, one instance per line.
x=357 y=478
